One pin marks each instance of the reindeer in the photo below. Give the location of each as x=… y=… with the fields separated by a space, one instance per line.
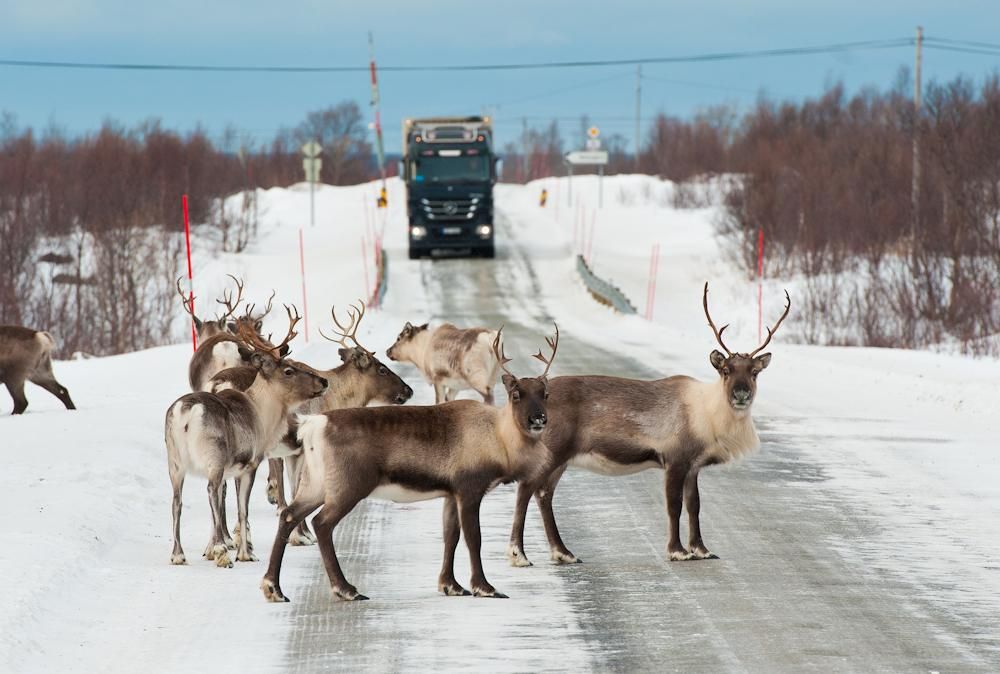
x=26 y=355
x=458 y=450
x=360 y=380
x=451 y=359
x=226 y=434
x=616 y=426
x=221 y=350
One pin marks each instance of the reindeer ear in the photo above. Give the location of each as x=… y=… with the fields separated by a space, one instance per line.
x=344 y=353
x=363 y=360
x=762 y=361
x=245 y=353
x=408 y=326
x=197 y=323
x=231 y=327
x=424 y=326
x=283 y=350
x=717 y=359
x=509 y=382
x=258 y=324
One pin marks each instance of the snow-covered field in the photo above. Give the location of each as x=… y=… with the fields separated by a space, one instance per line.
x=86 y=537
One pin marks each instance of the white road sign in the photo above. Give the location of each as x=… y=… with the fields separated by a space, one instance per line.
x=312 y=149
x=591 y=157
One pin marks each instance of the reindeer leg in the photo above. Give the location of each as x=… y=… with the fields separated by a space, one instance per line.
x=301 y=535
x=230 y=543
x=177 y=481
x=692 y=503
x=676 y=474
x=447 y=584
x=244 y=484
x=219 y=551
x=48 y=382
x=439 y=393
x=558 y=552
x=515 y=547
x=276 y=483
x=468 y=505
x=324 y=523
x=288 y=519
x=16 y=391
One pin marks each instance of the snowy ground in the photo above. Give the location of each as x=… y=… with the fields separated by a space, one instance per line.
x=909 y=496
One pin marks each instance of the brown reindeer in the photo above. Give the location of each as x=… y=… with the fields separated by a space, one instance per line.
x=458 y=450
x=226 y=434
x=220 y=348
x=26 y=355
x=360 y=380
x=616 y=426
x=450 y=358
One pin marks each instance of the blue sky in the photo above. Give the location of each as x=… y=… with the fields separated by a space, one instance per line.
x=256 y=32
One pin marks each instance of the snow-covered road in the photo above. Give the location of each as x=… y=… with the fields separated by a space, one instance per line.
x=862 y=536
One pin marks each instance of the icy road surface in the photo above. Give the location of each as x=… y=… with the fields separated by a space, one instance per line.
x=807 y=579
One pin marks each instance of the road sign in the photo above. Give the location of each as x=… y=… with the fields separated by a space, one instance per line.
x=594 y=132
x=312 y=165
x=593 y=143
x=592 y=157
x=312 y=149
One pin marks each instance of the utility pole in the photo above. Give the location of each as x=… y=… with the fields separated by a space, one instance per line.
x=915 y=190
x=379 y=150
x=525 y=161
x=638 y=108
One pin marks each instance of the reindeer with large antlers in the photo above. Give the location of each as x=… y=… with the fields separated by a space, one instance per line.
x=616 y=426
x=361 y=379
x=226 y=434
x=458 y=450
x=218 y=340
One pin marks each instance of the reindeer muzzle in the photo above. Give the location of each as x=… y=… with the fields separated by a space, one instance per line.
x=536 y=423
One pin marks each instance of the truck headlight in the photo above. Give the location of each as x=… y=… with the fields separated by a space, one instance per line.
x=484 y=231
x=418 y=232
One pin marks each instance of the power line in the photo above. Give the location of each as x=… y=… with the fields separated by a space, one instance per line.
x=693 y=58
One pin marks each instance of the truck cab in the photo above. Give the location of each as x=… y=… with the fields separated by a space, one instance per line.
x=449 y=169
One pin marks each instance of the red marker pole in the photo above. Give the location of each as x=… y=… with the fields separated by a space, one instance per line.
x=302 y=269
x=187 y=241
x=760 y=284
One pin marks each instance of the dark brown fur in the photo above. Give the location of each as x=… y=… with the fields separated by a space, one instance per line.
x=26 y=355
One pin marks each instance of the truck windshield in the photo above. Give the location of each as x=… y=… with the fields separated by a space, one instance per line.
x=452 y=169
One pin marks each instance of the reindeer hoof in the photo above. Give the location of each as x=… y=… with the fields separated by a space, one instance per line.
x=488 y=592
x=221 y=556
x=349 y=594
x=178 y=559
x=298 y=539
x=245 y=557
x=453 y=589
x=516 y=557
x=272 y=592
x=702 y=553
x=680 y=555
x=565 y=557
x=272 y=492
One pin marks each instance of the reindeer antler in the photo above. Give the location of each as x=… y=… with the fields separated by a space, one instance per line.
x=554 y=345
x=498 y=351
x=227 y=299
x=356 y=313
x=718 y=333
x=248 y=335
x=267 y=310
x=186 y=298
x=771 y=331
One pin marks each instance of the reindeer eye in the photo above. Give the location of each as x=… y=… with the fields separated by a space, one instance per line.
x=289 y=371
x=515 y=396
x=382 y=371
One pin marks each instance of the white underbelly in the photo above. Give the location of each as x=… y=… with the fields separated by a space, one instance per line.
x=596 y=463
x=400 y=494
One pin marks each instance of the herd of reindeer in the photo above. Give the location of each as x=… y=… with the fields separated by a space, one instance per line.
x=251 y=402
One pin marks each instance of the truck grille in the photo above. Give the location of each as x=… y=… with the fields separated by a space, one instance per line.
x=449 y=210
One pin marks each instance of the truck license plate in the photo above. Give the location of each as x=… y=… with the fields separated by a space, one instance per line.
x=451 y=230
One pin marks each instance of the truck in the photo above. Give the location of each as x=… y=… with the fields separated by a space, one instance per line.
x=449 y=169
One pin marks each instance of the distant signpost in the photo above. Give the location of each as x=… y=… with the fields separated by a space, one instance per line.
x=589 y=157
x=312 y=165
